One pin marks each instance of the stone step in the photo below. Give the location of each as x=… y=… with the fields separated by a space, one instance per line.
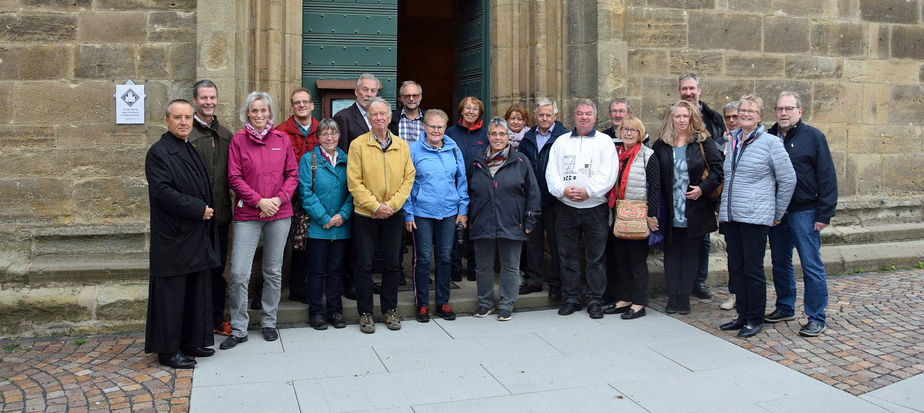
x=87 y=268
x=864 y=234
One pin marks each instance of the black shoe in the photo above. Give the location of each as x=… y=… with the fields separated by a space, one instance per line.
x=733 y=325
x=671 y=307
x=749 y=330
x=632 y=314
x=175 y=360
x=270 y=334
x=445 y=312
x=776 y=316
x=529 y=289
x=812 y=329
x=317 y=322
x=199 y=352
x=471 y=277
x=555 y=293
x=701 y=291
x=349 y=292
x=595 y=311
x=336 y=320
x=232 y=341
x=612 y=309
x=683 y=304
x=423 y=314
x=569 y=308
x=457 y=277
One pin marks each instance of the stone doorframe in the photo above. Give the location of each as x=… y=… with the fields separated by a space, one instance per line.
x=247 y=45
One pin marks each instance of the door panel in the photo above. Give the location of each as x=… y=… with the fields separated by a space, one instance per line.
x=472 y=52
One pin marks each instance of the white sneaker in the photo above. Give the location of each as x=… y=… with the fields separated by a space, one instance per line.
x=729 y=303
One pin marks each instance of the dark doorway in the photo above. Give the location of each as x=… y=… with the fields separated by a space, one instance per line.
x=426 y=51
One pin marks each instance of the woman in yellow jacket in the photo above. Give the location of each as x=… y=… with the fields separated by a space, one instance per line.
x=380 y=175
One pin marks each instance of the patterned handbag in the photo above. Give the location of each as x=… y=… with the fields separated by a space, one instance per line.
x=630 y=220
x=298 y=236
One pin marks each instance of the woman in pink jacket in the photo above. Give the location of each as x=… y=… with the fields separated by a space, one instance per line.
x=263 y=172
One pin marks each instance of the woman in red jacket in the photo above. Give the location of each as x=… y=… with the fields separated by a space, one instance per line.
x=263 y=173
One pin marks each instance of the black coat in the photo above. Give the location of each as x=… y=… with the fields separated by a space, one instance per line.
x=700 y=213
x=539 y=157
x=179 y=189
x=352 y=124
x=504 y=205
x=715 y=124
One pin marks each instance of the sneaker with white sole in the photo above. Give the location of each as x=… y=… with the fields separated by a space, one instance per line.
x=483 y=312
x=504 y=315
x=729 y=303
x=366 y=323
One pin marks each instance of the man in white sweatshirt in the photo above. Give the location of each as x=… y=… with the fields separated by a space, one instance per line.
x=581 y=171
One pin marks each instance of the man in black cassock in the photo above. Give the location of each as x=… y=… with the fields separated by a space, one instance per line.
x=184 y=245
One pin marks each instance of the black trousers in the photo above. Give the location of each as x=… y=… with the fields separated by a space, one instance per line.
x=179 y=313
x=219 y=284
x=631 y=270
x=385 y=234
x=681 y=261
x=571 y=226
x=747 y=244
x=535 y=268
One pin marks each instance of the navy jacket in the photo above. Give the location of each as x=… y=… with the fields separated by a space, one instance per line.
x=715 y=125
x=502 y=206
x=539 y=157
x=816 y=180
x=470 y=142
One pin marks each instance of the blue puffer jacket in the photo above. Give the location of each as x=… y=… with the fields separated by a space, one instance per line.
x=440 y=189
x=759 y=186
x=328 y=195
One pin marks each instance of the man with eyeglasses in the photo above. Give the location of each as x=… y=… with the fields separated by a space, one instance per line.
x=690 y=91
x=302 y=130
x=407 y=121
x=810 y=210
x=620 y=108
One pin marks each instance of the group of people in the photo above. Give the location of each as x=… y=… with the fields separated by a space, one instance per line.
x=342 y=192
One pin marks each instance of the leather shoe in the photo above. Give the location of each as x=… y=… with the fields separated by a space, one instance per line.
x=671 y=307
x=612 y=309
x=175 y=360
x=595 y=311
x=812 y=329
x=701 y=291
x=336 y=320
x=569 y=308
x=631 y=314
x=749 y=330
x=199 y=352
x=555 y=293
x=232 y=341
x=529 y=289
x=776 y=316
x=270 y=334
x=733 y=325
x=317 y=322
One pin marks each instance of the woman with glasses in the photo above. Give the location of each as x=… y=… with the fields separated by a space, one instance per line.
x=759 y=185
x=322 y=189
x=730 y=114
x=639 y=179
x=437 y=204
x=683 y=153
x=471 y=136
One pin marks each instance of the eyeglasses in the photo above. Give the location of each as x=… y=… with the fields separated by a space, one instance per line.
x=301 y=103
x=629 y=130
x=620 y=111
x=497 y=134
x=328 y=134
x=414 y=96
x=435 y=127
x=788 y=109
x=751 y=111
x=731 y=117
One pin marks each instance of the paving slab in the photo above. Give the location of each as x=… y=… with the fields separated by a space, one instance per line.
x=830 y=400
x=248 y=397
x=906 y=394
x=603 y=398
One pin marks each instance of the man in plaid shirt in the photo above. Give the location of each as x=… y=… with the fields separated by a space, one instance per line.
x=407 y=122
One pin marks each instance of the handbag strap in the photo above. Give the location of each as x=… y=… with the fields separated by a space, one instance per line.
x=705 y=161
x=314 y=168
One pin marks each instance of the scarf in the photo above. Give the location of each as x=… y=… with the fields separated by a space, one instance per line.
x=626 y=156
x=259 y=135
x=494 y=162
x=474 y=127
x=515 y=138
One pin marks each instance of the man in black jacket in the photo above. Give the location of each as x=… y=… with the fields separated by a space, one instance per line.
x=813 y=204
x=184 y=246
x=536 y=144
x=353 y=121
x=690 y=91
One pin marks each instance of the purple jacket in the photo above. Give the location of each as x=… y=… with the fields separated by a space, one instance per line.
x=261 y=169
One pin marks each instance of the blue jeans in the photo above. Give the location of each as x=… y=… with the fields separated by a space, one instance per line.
x=797 y=230
x=433 y=234
x=324 y=263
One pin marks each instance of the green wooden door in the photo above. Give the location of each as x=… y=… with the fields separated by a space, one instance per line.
x=343 y=39
x=473 y=52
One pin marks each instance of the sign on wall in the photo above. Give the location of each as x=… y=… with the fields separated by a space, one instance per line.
x=129 y=99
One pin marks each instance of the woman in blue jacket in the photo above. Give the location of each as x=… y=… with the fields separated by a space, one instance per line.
x=322 y=188
x=437 y=204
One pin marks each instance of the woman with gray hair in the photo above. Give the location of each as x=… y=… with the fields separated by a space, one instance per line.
x=503 y=209
x=263 y=172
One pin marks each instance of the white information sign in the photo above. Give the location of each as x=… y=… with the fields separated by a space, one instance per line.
x=129 y=99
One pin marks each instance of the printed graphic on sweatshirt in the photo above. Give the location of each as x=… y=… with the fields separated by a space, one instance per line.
x=571 y=169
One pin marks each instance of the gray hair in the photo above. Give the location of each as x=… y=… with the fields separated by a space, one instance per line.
x=167 y=111
x=585 y=102
x=793 y=94
x=365 y=76
x=621 y=100
x=688 y=76
x=730 y=105
x=378 y=100
x=499 y=121
x=249 y=101
x=409 y=83
x=328 y=124
x=203 y=83
x=547 y=102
